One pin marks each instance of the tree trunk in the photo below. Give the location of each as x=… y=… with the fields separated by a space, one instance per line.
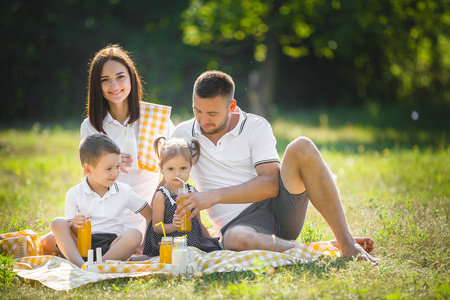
x=261 y=82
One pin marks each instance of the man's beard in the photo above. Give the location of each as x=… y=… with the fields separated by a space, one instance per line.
x=222 y=127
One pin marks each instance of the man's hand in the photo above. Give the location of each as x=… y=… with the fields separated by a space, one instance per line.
x=197 y=201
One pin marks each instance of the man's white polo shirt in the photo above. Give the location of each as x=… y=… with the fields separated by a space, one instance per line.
x=107 y=212
x=232 y=161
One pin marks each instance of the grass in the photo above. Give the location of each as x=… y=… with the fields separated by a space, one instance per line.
x=394 y=184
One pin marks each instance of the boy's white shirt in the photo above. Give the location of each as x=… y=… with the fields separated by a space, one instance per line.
x=143 y=182
x=107 y=212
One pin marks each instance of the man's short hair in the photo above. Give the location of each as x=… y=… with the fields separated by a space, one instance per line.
x=211 y=84
x=94 y=146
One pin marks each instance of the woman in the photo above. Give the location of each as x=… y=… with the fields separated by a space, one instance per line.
x=113 y=107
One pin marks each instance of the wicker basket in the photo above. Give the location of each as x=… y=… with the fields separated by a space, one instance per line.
x=21 y=243
x=21 y=250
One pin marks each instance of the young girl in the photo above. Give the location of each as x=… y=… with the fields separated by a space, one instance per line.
x=114 y=95
x=176 y=157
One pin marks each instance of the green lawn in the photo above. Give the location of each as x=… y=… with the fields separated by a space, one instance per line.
x=395 y=188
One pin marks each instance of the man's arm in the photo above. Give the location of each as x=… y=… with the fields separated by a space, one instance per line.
x=264 y=186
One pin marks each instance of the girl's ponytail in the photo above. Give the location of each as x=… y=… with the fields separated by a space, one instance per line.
x=195 y=149
x=158 y=144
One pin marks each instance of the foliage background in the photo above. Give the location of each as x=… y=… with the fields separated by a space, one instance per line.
x=303 y=54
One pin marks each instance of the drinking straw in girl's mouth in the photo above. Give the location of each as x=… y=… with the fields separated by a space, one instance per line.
x=162 y=225
x=184 y=183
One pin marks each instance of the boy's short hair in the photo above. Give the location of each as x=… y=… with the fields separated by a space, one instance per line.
x=94 y=146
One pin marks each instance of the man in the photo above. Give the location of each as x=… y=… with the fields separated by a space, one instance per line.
x=250 y=198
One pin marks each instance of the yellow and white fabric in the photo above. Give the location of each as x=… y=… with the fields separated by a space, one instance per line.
x=21 y=243
x=60 y=274
x=153 y=121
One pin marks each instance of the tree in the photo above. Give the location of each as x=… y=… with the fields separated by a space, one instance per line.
x=377 y=50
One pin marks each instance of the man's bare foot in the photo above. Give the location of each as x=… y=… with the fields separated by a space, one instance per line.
x=365 y=242
x=361 y=249
x=358 y=252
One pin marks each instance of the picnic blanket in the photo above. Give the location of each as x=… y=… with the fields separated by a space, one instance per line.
x=60 y=274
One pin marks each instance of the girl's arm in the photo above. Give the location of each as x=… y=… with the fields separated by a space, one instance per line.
x=158 y=215
x=205 y=232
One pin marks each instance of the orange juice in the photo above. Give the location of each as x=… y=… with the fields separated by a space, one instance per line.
x=165 y=250
x=84 y=239
x=185 y=223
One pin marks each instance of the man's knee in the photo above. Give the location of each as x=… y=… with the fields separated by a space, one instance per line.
x=302 y=147
x=239 y=239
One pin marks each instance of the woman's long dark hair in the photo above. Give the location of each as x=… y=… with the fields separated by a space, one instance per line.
x=97 y=105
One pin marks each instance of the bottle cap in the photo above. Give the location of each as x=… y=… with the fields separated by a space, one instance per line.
x=90 y=256
x=99 y=255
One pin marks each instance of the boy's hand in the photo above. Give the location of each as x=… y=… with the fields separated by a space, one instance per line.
x=176 y=221
x=78 y=221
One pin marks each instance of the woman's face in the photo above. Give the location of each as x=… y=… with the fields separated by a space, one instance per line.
x=115 y=81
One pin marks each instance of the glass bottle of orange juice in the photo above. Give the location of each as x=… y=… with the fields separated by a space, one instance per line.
x=84 y=238
x=165 y=250
x=185 y=223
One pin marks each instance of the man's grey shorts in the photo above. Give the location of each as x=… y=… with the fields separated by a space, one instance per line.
x=283 y=215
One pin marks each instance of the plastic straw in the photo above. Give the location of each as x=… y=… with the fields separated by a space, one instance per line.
x=127 y=128
x=184 y=236
x=184 y=183
x=89 y=210
x=162 y=225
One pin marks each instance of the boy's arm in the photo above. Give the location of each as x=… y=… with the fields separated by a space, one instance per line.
x=147 y=214
x=72 y=210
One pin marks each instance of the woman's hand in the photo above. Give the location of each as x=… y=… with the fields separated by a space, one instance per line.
x=125 y=162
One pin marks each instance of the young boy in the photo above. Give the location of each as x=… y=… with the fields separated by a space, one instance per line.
x=104 y=201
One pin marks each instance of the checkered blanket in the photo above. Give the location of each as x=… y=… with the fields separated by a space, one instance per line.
x=60 y=274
